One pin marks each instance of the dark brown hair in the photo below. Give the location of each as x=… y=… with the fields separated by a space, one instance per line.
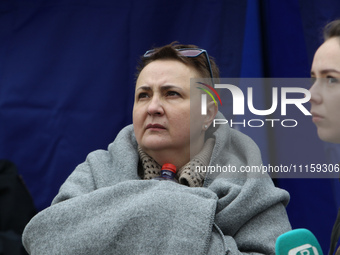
x=169 y=52
x=332 y=29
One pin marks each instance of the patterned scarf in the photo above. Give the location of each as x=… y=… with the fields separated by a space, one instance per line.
x=189 y=175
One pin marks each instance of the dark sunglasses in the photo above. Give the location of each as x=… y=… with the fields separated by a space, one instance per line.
x=187 y=52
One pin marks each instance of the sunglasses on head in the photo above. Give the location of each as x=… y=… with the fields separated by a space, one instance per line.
x=187 y=52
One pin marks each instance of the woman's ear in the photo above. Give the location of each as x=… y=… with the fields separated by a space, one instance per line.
x=212 y=110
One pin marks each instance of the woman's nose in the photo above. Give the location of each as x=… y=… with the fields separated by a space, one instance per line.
x=155 y=106
x=316 y=97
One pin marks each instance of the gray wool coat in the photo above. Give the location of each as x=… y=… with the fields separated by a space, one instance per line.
x=105 y=208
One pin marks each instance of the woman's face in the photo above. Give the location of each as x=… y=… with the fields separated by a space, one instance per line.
x=325 y=92
x=161 y=113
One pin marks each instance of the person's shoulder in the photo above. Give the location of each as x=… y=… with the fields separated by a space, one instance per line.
x=233 y=137
x=125 y=138
x=240 y=137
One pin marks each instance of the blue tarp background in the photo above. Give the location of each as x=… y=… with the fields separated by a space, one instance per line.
x=67 y=81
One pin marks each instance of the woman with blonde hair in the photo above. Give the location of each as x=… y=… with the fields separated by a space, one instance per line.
x=325 y=97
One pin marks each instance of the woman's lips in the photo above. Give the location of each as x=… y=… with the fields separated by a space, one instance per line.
x=316 y=117
x=155 y=126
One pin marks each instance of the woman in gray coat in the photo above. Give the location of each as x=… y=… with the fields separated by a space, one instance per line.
x=111 y=205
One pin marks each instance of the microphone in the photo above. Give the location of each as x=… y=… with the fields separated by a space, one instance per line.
x=297 y=242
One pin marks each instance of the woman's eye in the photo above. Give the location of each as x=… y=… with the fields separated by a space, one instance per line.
x=143 y=95
x=331 y=80
x=172 y=93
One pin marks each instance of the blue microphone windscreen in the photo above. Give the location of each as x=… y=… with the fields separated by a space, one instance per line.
x=297 y=242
